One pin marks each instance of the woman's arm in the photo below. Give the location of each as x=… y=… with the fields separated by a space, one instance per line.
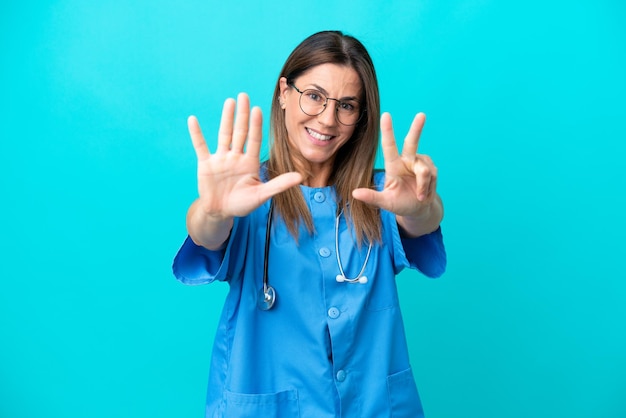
x=205 y=229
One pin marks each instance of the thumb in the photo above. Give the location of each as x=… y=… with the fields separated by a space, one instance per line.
x=371 y=197
x=280 y=184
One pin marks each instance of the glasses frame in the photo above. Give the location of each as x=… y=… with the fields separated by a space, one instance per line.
x=339 y=102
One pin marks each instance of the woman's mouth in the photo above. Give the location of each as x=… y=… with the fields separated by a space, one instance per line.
x=319 y=136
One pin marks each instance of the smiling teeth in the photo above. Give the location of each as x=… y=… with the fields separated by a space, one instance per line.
x=319 y=136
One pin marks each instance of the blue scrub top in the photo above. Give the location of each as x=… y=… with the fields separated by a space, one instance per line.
x=326 y=349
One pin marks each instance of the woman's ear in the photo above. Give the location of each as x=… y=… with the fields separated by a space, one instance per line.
x=284 y=87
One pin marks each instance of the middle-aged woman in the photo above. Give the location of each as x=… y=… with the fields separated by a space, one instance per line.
x=310 y=242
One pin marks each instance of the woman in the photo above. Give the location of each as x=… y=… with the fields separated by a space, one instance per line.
x=310 y=243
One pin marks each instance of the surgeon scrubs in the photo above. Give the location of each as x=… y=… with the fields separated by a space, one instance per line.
x=326 y=348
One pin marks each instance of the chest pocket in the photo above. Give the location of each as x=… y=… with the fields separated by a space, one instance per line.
x=268 y=405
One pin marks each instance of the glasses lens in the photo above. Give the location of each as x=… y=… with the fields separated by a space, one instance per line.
x=348 y=112
x=312 y=102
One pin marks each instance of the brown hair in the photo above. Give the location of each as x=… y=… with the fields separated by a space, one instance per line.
x=354 y=162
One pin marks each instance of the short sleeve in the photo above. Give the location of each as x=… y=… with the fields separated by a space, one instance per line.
x=426 y=253
x=196 y=265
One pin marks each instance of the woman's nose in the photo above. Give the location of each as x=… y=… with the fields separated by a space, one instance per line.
x=328 y=117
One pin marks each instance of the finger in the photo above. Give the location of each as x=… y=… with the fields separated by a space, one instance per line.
x=388 y=140
x=424 y=172
x=225 y=134
x=433 y=181
x=279 y=184
x=255 y=137
x=433 y=187
x=411 y=142
x=197 y=139
x=371 y=197
x=241 y=122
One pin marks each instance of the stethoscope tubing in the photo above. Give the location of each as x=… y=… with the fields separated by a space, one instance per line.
x=267 y=296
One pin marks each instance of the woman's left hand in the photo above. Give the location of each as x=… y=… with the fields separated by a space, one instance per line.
x=410 y=189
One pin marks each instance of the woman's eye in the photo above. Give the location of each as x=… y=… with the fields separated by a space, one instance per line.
x=347 y=106
x=315 y=96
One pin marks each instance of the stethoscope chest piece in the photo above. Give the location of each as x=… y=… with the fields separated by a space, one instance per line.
x=266 y=298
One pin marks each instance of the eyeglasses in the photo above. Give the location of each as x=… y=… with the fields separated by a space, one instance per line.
x=313 y=102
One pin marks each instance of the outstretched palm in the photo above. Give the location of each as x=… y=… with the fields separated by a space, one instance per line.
x=228 y=179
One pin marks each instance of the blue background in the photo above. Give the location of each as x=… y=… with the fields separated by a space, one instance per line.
x=526 y=122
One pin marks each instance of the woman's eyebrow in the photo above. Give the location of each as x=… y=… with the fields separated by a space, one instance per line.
x=322 y=90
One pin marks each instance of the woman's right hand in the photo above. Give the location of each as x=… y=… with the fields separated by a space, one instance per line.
x=228 y=180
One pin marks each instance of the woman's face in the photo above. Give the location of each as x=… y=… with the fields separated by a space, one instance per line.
x=319 y=137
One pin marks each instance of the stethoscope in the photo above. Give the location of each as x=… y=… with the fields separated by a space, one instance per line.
x=266 y=297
